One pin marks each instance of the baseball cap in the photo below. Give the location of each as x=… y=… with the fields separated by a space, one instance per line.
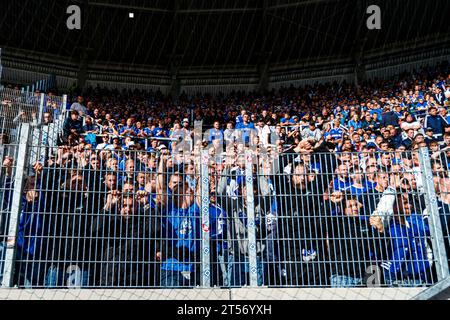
x=186 y=120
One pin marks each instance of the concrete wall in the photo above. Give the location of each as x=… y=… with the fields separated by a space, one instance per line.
x=212 y=294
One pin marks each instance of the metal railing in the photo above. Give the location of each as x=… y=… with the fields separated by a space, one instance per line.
x=45 y=113
x=128 y=218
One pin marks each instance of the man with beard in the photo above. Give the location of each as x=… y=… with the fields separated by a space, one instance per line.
x=300 y=227
x=128 y=254
x=355 y=244
x=238 y=256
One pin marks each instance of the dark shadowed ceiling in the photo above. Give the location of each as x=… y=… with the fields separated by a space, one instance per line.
x=216 y=32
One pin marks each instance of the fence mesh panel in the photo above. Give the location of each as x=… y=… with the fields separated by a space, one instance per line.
x=8 y=156
x=46 y=114
x=94 y=214
x=440 y=164
x=17 y=107
x=133 y=219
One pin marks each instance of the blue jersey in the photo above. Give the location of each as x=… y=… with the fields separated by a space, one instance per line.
x=182 y=229
x=215 y=134
x=355 y=124
x=218 y=227
x=315 y=166
x=246 y=130
x=30 y=231
x=124 y=128
x=408 y=254
x=147 y=131
x=152 y=200
x=339 y=185
x=336 y=133
x=345 y=113
x=368 y=185
x=160 y=132
x=242 y=126
x=357 y=190
x=6 y=193
x=378 y=112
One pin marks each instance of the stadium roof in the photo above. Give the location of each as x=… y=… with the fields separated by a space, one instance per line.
x=217 y=32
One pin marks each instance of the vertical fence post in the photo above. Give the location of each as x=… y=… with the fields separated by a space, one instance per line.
x=41 y=108
x=437 y=237
x=205 y=255
x=251 y=219
x=15 y=206
x=64 y=108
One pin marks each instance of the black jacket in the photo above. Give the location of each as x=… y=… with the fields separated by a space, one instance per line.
x=300 y=229
x=389 y=118
x=70 y=124
x=126 y=248
x=354 y=246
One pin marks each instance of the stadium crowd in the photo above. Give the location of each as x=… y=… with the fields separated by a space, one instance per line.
x=337 y=187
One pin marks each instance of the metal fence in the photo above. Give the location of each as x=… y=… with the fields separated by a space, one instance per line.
x=46 y=114
x=17 y=107
x=8 y=157
x=114 y=218
x=440 y=166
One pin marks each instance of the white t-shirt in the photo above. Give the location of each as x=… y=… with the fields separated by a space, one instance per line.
x=263 y=134
x=101 y=146
x=410 y=125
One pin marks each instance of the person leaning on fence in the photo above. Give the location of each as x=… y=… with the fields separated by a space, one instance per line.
x=181 y=234
x=70 y=264
x=356 y=246
x=30 y=233
x=442 y=187
x=300 y=227
x=129 y=233
x=267 y=217
x=409 y=261
x=218 y=230
x=235 y=206
x=33 y=232
x=372 y=198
